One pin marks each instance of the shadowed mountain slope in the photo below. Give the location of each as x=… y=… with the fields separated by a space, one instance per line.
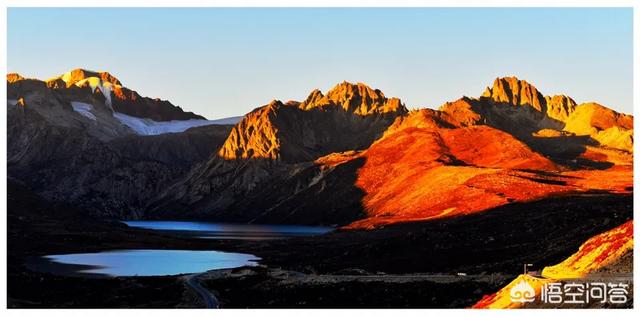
x=66 y=143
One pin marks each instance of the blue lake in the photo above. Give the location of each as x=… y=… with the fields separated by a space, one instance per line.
x=156 y=262
x=152 y=262
x=231 y=231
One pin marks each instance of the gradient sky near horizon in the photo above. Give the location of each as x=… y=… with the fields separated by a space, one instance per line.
x=225 y=62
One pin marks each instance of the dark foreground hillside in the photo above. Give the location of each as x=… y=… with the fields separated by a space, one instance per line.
x=408 y=265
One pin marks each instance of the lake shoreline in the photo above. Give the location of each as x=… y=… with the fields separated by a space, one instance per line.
x=561 y=225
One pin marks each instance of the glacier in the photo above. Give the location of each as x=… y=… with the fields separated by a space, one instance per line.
x=145 y=126
x=84 y=109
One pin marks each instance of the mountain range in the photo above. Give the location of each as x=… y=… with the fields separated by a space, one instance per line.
x=351 y=157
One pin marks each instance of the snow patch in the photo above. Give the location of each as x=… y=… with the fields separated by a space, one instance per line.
x=106 y=91
x=145 y=126
x=84 y=109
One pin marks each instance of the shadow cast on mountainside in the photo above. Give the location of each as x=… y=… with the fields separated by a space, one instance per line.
x=567 y=150
x=545 y=181
x=317 y=195
x=265 y=191
x=499 y=240
x=548 y=174
x=522 y=122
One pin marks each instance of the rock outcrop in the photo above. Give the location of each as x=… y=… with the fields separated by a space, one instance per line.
x=354 y=98
x=515 y=92
x=13 y=77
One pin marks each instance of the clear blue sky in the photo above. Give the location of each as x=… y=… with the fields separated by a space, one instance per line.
x=225 y=62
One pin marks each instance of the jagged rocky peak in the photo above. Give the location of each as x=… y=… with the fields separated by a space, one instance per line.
x=254 y=136
x=78 y=76
x=514 y=91
x=314 y=98
x=560 y=106
x=460 y=112
x=13 y=77
x=357 y=98
x=83 y=85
